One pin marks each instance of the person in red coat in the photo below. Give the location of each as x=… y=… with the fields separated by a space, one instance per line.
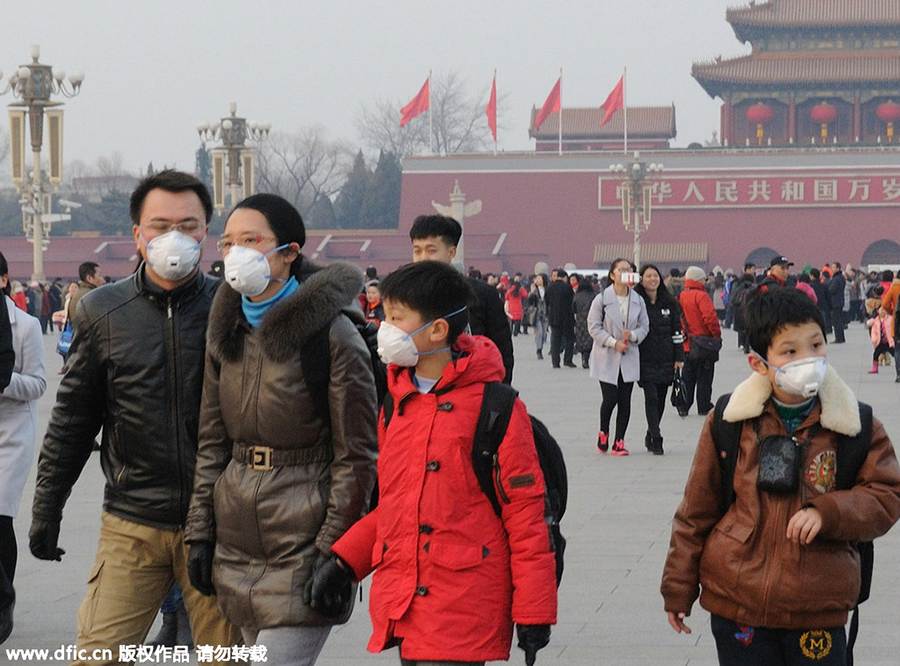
x=451 y=576
x=700 y=318
x=514 y=309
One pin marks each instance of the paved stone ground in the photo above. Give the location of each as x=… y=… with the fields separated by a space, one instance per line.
x=617 y=526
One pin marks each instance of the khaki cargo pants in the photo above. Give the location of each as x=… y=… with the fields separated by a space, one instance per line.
x=132 y=574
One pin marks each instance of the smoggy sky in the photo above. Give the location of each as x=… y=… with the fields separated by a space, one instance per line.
x=153 y=70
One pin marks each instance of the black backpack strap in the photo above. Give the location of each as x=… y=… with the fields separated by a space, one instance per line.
x=387 y=408
x=315 y=361
x=493 y=420
x=727 y=438
x=851 y=454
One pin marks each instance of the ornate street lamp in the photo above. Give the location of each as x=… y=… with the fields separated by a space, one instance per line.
x=637 y=195
x=233 y=132
x=34 y=84
x=889 y=113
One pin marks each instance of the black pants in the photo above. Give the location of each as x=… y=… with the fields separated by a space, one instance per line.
x=882 y=348
x=699 y=374
x=654 y=406
x=8 y=556
x=837 y=323
x=616 y=396
x=562 y=339
x=757 y=646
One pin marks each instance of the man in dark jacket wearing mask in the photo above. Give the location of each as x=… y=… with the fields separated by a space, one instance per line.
x=135 y=369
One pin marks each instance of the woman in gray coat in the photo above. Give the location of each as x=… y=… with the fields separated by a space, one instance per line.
x=618 y=323
x=18 y=428
x=285 y=464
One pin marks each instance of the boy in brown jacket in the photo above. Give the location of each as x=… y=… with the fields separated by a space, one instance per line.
x=778 y=569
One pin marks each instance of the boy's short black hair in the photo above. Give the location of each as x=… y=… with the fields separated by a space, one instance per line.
x=429 y=226
x=772 y=309
x=434 y=290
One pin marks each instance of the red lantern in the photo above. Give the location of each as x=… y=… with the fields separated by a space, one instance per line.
x=889 y=112
x=824 y=114
x=759 y=114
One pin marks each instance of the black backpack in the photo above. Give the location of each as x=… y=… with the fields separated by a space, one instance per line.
x=315 y=359
x=851 y=453
x=490 y=429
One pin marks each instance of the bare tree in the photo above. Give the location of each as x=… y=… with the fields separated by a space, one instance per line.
x=303 y=167
x=458 y=121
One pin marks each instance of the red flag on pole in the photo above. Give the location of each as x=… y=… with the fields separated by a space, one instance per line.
x=614 y=102
x=419 y=103
x=551 y=105
x=491 y=110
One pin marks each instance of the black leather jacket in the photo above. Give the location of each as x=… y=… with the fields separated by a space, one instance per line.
x=135 y=369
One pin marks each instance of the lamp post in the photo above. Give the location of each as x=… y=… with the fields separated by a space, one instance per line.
x=233 y=132
x=34 y=84
x=637 y=195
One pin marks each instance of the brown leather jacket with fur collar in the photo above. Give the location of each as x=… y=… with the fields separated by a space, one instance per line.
x=741 y=563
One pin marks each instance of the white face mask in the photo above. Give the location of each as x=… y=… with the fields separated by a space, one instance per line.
x=801 y=378
x=247 y=270
x=396 y=345
x=173 y=255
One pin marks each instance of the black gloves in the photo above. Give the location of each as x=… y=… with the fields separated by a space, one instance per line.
x=199 y=565
x=532 y=637
x=329 y=589
x=43 y=538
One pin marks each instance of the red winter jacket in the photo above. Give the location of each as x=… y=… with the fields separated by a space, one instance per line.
x=451 y=577
x=699 y=314
x=514 y=296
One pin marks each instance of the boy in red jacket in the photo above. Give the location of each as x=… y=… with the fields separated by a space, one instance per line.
x=451 y=576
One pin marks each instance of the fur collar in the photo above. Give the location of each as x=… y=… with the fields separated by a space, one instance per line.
x=324 y=292
x=840 y=411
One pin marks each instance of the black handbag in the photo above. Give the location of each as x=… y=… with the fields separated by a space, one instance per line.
x=679 y=397
x=704 y=348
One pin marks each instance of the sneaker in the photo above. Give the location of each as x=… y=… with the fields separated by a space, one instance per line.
x=618 y=448
x=603 y=442
x=540 y=355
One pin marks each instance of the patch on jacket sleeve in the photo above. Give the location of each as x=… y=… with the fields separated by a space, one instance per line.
x=521 y=481
x=822 y=472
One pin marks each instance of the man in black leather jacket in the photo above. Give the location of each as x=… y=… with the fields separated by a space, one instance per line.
x=435 y=238
x=135 y=369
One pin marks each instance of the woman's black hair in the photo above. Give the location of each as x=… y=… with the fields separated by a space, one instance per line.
x=663 y=296
x=284 y=220
x=585 y=284
x=612 y=266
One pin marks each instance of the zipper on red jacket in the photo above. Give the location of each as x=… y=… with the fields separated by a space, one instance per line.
x=500 y=492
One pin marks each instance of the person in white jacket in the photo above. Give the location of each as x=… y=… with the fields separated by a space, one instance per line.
x=18 y=429
x=617 y=322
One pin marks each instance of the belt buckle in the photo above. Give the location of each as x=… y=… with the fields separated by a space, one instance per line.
x=261 y=458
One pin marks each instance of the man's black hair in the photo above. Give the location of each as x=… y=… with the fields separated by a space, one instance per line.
x=887 y=275
x=170 y=181
x=434 y=290
x=814 y=274
x=441 y=226
x=86 y=270
x=772 y=309
x=749 y=265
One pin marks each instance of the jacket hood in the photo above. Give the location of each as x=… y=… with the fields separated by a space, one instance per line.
x=476 y=360
x=840 y=410
x=694 y=284
x=324 y=292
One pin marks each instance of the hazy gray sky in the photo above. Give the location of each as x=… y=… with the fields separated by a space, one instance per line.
x=156 y=68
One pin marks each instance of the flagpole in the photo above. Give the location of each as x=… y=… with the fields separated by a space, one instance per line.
x=625 y=104
x=495 y=112
x=559 y=116
x=430 y=124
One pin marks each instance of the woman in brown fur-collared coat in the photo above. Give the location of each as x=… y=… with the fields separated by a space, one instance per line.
x=277 y=481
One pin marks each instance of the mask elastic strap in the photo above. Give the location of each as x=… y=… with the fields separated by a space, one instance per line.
x=424 y=326
x=262 y=258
